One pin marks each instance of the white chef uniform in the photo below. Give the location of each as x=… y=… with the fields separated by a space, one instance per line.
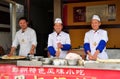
x=26 y=39
x=63 y=38
x=94 y=38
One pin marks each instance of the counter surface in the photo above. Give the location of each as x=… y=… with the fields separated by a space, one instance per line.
x=89 y=64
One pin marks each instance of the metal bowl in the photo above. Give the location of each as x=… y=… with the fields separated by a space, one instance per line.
x=47 y=61
x=72 y=62
x=36 y=58
x=59 y=62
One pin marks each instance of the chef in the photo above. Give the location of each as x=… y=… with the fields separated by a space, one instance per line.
x=95 y=41
x=26 y=38
x=58 y=42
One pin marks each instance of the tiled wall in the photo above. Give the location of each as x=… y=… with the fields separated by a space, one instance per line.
x=113 y=53
x=5 y=40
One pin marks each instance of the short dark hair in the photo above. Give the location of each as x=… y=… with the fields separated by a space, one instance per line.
x=23 y=18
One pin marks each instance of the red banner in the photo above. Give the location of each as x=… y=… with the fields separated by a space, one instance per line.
x=15 y=72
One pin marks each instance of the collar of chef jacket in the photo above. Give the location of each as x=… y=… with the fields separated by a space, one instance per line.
x=96 y=31
x=58 y=34
x=24 y=30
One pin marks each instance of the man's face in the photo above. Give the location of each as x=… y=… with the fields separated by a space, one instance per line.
x=23 y=24
x=58 y=27
x=95 y=24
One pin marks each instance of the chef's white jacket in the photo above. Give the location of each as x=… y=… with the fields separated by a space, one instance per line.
x=94 y=39
x=26 y=39
x=63 y=38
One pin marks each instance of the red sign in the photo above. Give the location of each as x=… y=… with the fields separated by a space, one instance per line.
x=16 y=72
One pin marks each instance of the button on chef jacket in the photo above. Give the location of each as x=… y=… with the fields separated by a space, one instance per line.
x=26 y=39
x=96 y=41
x=55 y=38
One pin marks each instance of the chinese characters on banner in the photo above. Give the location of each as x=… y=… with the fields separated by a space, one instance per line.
x=15 y=72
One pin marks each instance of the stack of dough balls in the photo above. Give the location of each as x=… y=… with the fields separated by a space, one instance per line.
x=73 y=56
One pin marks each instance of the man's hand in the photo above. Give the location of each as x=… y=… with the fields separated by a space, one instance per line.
x=59 y=45
x=10 y=54
x=32 y=51
x=96 y=54
x=57 y=53
x=12 y=51
x=90 y=56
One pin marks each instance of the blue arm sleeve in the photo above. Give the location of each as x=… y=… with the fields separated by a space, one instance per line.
x=101 y=45
x=66 y=47
x=51 y=50
x=86 y=47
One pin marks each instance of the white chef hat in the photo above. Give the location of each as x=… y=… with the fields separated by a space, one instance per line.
x=58 y=20
x=96 y=17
